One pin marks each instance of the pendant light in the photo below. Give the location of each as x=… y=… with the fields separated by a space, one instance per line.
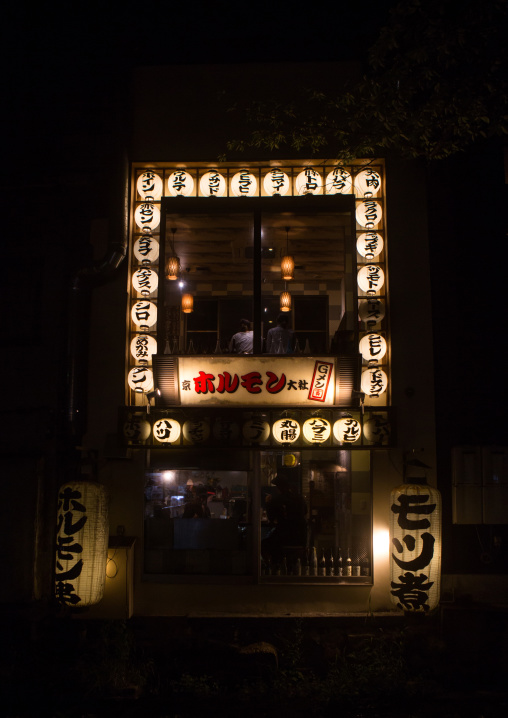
x=173 y=262
x=285 y=301
x=187 y=303
x=287 y=264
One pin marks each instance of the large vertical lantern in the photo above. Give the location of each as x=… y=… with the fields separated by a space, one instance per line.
x=81 y=543
x=415 y=545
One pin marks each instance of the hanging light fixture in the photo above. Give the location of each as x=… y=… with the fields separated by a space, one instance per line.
x=285 y=301
x=173 y=262
x=187 y=303
x=287 y=264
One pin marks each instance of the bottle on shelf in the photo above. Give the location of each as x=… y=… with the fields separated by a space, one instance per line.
x=349 y=565
x=356 y=563
x=322 y=563
x=339 y=567
x=305 y=566
x=330 y=565
x=284 y=567
x=365 y=565
x=313 y=562
x=298 y=567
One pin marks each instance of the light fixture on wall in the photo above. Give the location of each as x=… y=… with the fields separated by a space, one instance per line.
x=187 y=303
x=173 y=263
x=287 y=264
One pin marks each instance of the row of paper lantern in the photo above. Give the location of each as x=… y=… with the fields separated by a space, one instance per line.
x=287 y=430
x=276 y=182
x=368 y=214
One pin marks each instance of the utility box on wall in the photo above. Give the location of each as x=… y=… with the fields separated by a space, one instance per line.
x=480 y=485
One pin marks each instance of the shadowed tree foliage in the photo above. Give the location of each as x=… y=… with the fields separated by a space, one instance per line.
x=434 y=82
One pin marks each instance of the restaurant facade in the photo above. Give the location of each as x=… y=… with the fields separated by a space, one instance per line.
x=258 y=479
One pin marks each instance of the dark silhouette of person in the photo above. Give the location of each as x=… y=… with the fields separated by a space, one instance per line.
x=287 y=512
x=280 y=339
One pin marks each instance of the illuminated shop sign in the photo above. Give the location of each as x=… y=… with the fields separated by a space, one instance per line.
x=245 y=381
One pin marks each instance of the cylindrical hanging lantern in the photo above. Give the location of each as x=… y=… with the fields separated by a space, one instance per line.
x=374 y=381
x=285 y=302
x=187 y=303
x=143 y=346
x=415 y=543
x=244 y=184
x=368 y=213
x=369 y=245
x=81 y=543
x=371 y=278
x=287 y=267
x=309 y=181
x=276 y=182
x=145 y=281
x=146 y=249
x=172 y=268
x=144 y=314
x=256 y=430
x=377 y=430
x=195 y=431
x=147 y=216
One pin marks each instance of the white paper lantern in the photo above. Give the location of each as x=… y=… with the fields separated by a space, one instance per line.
x=140 y=379
x=371 y=278
x=369 y=213
x=377 y=430
x=82 y=543
x=276 y=182
x=369 y=245
x=136 y=429
x=347 y=430
x=149 y=185
x=143 y=346
x=316 y=430
x=374 y=381
x=309 y=181
x=147 y=216
x=144 y=314
x=338 y=181
x=225 y=429
x=372 y=347
x=212 y=184
x=180 y=184
x=166 y=431
x=195 y=431
x=367 y=183
x=145 y=281
x=244 y=184
x=146 y=249
x=256 y=430
x=286 y=431
x=371 y=310
x=415 y=544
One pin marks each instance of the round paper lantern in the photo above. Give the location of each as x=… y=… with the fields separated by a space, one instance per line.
x=256 y=430
x=142 y=348
x=286 y=431
x=180 y=184
x=338 y=181
x=244 y=184
x=212 y=184
x=371 y=310
x=316 y=430
x=136 y=429
x=149 y=185
x=367 y=183
x=309 y=181
x=144 y=314
x=147 y=216
x=225 y=429
x=140 y=379
x=195 y=431
x=377 y=430
x=146 y=249
x=145 y=281
x=372 y=347
x=371 y=278
x=81 y=543
x=276 y=182
x=167 y=431
x=347 y=430
x=369 y=245
x=415 y=544
x=368 y=213
x=374 y=381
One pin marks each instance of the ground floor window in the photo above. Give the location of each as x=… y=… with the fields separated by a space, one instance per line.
x=273 y=516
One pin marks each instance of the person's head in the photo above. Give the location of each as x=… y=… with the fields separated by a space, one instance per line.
x=282 y=320
x=244 y=325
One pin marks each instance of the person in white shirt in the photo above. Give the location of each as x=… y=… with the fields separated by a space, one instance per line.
x=242 y=341
x=280 y=339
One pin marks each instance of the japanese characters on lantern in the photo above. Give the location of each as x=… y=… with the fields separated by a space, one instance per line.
x=212 y=184
x=347 y=430
x=276 y=182
x=244 y=184
x=81 y=543
x=317 y=430
x=369 y=213
x=143 y=346
x=149 y=186
x=180 y=184
x=286 y=430
x=147 y=216
x=338 y=181
x=146 y=249
x=166 y=430
x=415 y=543
x=309 y=181
x=367 y=183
